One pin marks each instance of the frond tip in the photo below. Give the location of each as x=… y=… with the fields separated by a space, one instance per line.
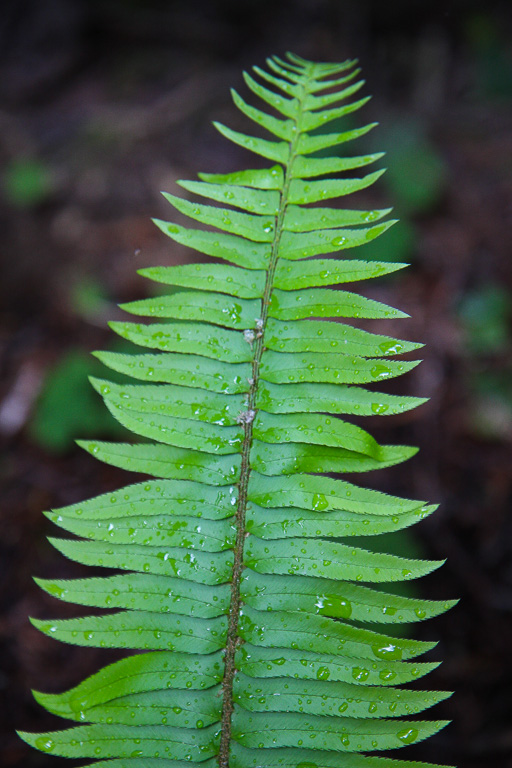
x=237 y=572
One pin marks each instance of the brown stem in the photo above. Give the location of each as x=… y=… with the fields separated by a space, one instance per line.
x=233 y=639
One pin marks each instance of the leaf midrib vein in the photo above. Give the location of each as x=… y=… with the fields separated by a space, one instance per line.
x=233 y=639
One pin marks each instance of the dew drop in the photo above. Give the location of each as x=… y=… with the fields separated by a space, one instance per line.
x=319 y=503
x=389 y=651
x=387 y=674
x=360 y=673
x=408 y=735
x=44 y=744
x=391 y=347
x=380 y=371
x=55 y=590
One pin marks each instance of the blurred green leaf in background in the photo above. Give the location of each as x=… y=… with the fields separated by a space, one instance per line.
x=485 y=314
x=486 y=317
x=415 y=179
x=398 y=244
x=27 y=182
x=416 y=174
x=492 y=51
x=68 y=407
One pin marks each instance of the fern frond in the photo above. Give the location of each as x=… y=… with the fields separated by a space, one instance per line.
x=238 y=576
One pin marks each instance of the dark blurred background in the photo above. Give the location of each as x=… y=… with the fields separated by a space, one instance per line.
x=104 y=103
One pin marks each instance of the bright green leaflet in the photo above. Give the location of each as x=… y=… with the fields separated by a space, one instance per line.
x=258 y=616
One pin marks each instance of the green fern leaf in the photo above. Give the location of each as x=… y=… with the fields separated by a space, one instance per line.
x=237 y=575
